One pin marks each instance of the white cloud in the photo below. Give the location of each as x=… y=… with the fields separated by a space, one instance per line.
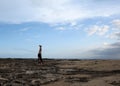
x=104 y=29
x=114 y=35
x=116 y=22
x=60 y=28
x=55 y=11
x=92 y=30
x=73 y=24
x=69 y=26
x=99 y=30
x=115 y=30
x=106 y=45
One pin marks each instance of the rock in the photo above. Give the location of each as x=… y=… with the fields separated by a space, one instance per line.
x=77 y=79
x=30 y=72
x=3 y=79
x=36 y=82
x=68 y=71
x=115 y=83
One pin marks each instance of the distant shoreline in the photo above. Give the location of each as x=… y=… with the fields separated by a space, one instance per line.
x=53 y=59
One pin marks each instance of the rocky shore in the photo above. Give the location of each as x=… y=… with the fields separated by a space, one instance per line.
x=27 y=72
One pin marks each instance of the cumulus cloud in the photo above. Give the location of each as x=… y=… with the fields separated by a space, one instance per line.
x=54 y=11
x=110 y=30
x=115 y=30
x=99 y=30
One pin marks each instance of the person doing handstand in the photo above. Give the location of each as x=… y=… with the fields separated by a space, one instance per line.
x=40 y=55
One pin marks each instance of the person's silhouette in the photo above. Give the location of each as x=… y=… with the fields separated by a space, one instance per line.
x=40 y=55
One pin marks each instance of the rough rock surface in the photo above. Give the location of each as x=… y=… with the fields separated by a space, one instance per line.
x=27 y=72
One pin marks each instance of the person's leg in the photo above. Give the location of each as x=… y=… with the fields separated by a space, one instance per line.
x=41 y=61
x=38 y=58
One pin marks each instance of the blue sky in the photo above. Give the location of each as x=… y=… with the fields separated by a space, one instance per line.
x=84 y=29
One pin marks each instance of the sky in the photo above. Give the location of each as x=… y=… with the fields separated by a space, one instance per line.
x=75 y=29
